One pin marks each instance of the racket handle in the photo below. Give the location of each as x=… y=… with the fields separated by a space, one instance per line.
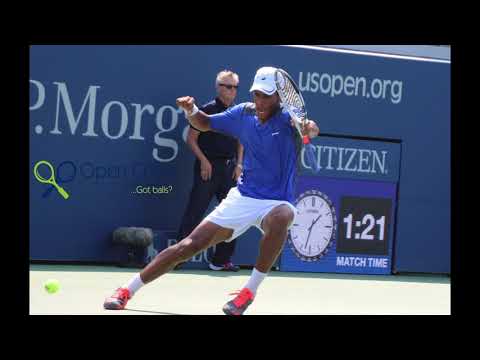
x=63 y=192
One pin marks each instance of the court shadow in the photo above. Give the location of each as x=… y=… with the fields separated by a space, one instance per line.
x=152 y=312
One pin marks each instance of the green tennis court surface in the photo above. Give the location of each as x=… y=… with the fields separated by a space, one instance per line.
x=203 y=292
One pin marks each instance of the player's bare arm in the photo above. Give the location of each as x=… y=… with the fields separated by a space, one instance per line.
x=197 y=118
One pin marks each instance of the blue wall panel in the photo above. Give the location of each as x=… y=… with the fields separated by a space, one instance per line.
x=130 y=133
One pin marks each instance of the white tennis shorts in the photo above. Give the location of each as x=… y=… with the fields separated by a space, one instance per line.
x=239 y=212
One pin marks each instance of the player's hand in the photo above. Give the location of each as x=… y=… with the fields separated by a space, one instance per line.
x=186 y=102
x=205 y=170
x=311 y=129
x=237 y=172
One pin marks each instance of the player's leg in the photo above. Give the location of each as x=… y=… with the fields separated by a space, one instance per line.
x=275 y=226
x=203 y=236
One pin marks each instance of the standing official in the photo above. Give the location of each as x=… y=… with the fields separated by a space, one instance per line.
x=217 y=167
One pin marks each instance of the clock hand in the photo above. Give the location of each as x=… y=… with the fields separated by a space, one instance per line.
x=310 y=228
x=308 y=237
x=315 y=221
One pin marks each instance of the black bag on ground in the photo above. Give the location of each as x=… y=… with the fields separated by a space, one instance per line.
x=136 y=240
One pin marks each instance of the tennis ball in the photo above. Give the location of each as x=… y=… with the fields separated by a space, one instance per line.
x=51 y=286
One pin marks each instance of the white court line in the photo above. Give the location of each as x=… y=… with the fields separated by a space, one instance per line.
x=368 y=53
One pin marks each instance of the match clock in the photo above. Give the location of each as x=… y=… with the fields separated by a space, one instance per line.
x=364 y=225
x=315 y=226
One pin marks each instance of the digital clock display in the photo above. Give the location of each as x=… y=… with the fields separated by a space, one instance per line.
x=363 y=225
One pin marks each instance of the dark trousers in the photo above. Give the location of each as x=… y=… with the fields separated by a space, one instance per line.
x=202 y=193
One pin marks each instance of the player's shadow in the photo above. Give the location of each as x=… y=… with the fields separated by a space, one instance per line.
x=152 y=312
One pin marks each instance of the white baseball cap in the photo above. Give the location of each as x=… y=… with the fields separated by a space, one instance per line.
x=264 y=80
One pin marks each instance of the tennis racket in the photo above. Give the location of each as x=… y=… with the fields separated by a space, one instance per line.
x=293 y=102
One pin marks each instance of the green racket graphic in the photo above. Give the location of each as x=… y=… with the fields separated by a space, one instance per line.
x=51 y=179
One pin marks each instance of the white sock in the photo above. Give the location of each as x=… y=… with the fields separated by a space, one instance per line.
x=134 y=284
x=255 y=280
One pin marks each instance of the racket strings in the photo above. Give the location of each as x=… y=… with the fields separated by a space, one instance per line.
x=291 y=99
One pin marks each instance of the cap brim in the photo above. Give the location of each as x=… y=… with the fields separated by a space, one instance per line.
x=260 y=88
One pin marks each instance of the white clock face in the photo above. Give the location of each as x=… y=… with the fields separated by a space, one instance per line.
x=315 y=226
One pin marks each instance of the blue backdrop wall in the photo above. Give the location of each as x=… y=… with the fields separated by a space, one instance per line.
x=105 y=117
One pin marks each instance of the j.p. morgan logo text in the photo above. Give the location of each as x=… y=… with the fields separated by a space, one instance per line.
x=72 y=120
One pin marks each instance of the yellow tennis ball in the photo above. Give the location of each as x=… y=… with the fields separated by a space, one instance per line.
x=52 y=286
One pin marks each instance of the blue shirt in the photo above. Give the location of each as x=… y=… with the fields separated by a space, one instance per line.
x=270 y=151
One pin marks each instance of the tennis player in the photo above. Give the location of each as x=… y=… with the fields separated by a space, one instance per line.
x=263 y=197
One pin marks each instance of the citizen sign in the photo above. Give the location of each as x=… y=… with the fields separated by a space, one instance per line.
x=349 y=159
